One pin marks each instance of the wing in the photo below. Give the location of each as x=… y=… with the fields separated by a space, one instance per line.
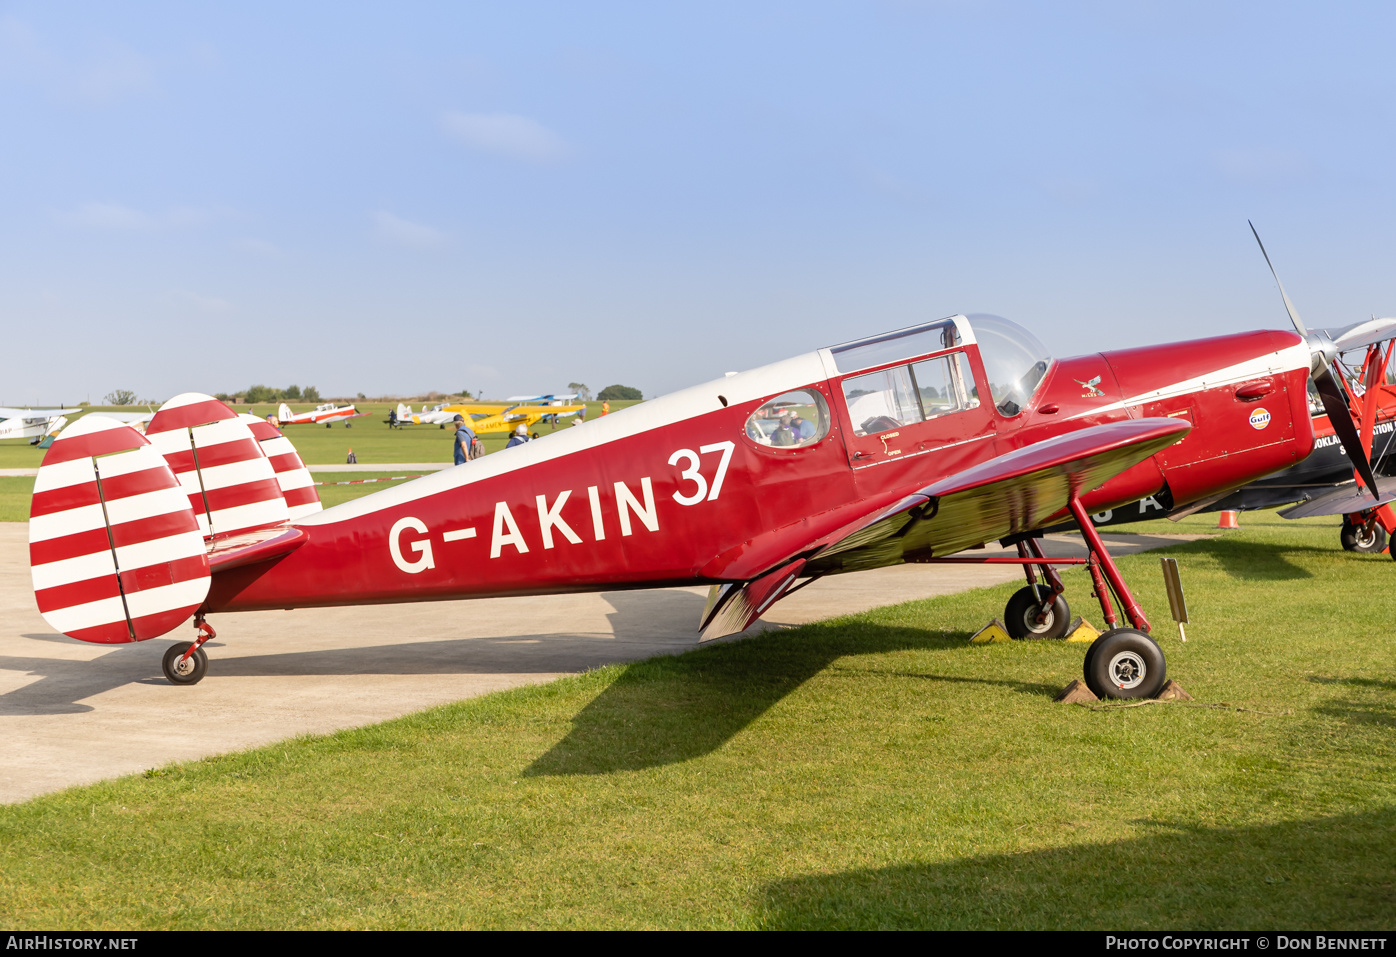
x=1018 y=492
x=1343 y=500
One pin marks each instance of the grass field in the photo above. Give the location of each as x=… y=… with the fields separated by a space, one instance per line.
x=872 y=771
x=370 y=438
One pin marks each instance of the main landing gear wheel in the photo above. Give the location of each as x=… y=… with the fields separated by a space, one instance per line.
x=186 y=672
x=1363 y=538
x=1020 y=614
x=1125 y=663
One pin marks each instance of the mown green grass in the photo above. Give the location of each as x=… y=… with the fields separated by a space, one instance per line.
x=369 y=437
x=15 y=493
x=331 y=494
x=872 y=771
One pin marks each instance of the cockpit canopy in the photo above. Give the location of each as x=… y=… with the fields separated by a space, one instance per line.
x=1014 y=360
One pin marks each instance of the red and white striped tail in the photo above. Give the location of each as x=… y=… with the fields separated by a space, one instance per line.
x=115 y=551
x=230 y=482
x=291 y=474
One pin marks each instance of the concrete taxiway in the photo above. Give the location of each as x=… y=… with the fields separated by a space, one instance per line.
x=72 y=713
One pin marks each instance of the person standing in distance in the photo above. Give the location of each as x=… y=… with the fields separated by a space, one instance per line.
x=519 y=437
x=463 y=439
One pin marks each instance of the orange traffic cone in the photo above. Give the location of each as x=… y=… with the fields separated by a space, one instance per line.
x=1228 y=519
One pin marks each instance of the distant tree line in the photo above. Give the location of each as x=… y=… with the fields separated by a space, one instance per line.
x=614 y=392
x=259 y=394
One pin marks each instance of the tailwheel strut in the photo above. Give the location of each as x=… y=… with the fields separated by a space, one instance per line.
x=187 y=665
x=1123 y=662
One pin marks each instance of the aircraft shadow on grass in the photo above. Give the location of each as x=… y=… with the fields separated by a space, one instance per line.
x=1370 y=712
x=642 y=624
x=1251 y=562
x=668 y=710
x=1320 y=872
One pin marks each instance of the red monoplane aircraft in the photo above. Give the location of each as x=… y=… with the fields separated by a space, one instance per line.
x=911 y=446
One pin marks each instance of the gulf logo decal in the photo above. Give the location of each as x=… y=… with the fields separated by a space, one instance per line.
x=1260 y=418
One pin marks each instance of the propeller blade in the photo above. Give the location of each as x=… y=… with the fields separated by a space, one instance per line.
x=1289 y=306
x=1341 y=417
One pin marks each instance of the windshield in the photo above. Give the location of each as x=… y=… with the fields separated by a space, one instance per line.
x=1013 y=358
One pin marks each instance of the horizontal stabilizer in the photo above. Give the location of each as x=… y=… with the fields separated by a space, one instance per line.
x=249 y=548
x=1343 y=500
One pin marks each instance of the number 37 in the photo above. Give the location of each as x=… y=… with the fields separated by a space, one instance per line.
x=692 y=474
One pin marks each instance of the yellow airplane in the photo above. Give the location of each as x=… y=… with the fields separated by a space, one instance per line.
x=525 y=410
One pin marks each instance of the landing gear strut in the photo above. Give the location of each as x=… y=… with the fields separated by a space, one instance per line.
x=1037 y=611
x=187 y=665
x=1362 y=536
x=1123 y=662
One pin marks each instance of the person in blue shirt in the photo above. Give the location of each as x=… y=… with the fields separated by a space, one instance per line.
x=519 y=437
x=462 y=440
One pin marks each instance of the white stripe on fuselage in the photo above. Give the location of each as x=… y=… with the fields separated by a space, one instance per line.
x=1285 y=360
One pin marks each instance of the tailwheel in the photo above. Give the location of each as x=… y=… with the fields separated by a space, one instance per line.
x=183 y=670
x=1035 y=613
x=1125 y=663
x=1366 y=537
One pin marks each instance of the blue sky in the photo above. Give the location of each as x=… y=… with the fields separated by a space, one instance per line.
x=393 y=198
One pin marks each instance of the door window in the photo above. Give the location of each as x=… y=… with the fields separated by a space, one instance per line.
x=881 y=400
x=944 y=385
x=904 y=395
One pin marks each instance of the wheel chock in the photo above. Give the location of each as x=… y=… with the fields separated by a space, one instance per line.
x=1076 y=693
x=1172 y=691
x=1081 y=631
x=994 y=631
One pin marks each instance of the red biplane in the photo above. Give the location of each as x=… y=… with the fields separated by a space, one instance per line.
x=911 y=446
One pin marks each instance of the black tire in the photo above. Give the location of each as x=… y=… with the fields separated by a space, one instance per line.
x=193 y=668
x=1125 y=663
x=1020 y=615
x=1357 y=538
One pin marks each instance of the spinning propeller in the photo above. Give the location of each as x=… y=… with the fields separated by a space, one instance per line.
x=1324 y=348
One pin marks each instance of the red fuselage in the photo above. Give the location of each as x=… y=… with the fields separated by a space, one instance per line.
x=676 y=491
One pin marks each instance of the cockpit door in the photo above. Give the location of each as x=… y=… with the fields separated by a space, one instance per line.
x=912 y=408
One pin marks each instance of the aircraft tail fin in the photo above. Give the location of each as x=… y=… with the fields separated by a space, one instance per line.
x=126 y=529
x=114 y=546
x=283 y=412
x=403 y=411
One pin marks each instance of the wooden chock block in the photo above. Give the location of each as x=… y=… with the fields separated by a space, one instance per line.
x=1076 y=693
x=992 y=632
x=1172 y=691
x=1082 y=631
